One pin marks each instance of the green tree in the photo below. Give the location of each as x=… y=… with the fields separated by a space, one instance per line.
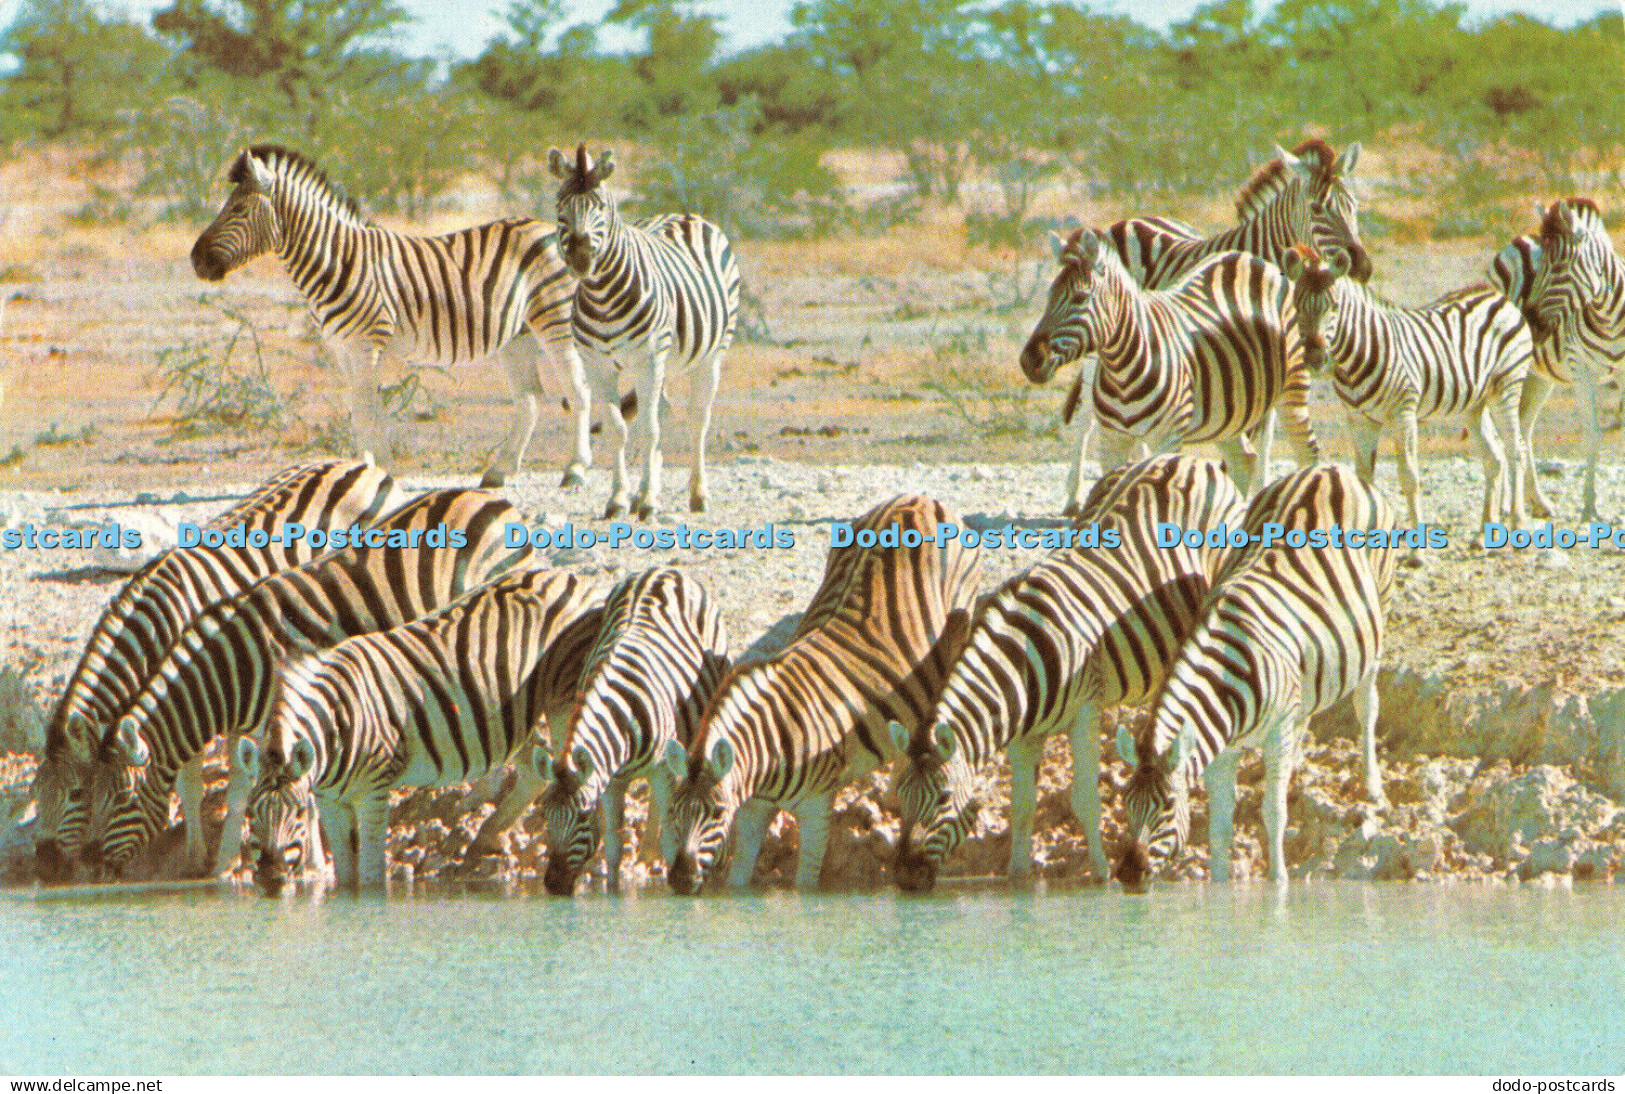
x=76 y=68
x=675 y=69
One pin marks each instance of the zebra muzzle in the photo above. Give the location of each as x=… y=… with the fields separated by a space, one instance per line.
x=685 y=878
x=50 y=864
x=1134 y=866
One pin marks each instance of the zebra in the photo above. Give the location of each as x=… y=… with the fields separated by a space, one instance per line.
x=1085 y=629
x=1467 y=353
x=430 y=703
x=1570 y=284
x=218 y=677
x=1206 y=360
x=1288 y=630
x=431 y=300
x=787 y=733
x=661 y=655
x=654 y=294
x=151 y=611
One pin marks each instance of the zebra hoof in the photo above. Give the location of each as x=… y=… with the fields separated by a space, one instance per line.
x=696 y=503
x=645 y=511
x=572 y=479
x=492 y=479
x=613 y=510
x=1073 y=509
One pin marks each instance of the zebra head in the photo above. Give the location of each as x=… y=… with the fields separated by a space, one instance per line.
x=114 y=806
x=934 y=790
x=247 y=226
x=1156 y=802
x=586 y=212
x=1314 y=281
x=1320 y=203
x=60 y=799
x=569 y=807
x=281 y=810
x=1578 y=264
x=1063 y=333
x=702 y=812
x=1514 y=272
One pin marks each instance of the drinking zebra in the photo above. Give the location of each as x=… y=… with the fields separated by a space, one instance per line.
x=657 y=663
x=219 y=676
x=1085 y=629
x=428 y=300
x=427 y=704
x=874 y=647
x=1289 y=629
x=153 y=608
x=1467 y=353
x=1206 y=360
x=656 y=295
x=1570 y=284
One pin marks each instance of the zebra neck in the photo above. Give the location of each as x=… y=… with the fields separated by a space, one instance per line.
x=318 y=242
x=1125 y=325
x=1267 y=235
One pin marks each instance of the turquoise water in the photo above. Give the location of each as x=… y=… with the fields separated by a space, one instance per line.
x=1187 y=979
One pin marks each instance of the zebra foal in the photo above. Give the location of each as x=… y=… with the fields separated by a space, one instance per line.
x=431 y=703
x=1209 y=359
x=873 y=647
x=657 y=662
x=151 y=611
x=656 y=296
x=219 y=676
x=1288 y=630
x=1050 y=649
x=434 y=300
x=1467 y=353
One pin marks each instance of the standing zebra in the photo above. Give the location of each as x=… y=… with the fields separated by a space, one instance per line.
x=655 y=294
x=1206 y=360
x=435 y=300
x=219 y=676
x=1570 y=285
x=153 y=608
x=1085 y=629
x=1467 y=353
x=1289 y=629
x=657 y=663
x=430 y=703
x=874 y=647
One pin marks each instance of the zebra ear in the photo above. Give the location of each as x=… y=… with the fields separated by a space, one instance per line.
x=1288 y=160
x=541 y=761
x=1339 y=264
x=1345 y=162
x=1292 y=264
x=581 y=760
x=1570 y=220
x=557 y=164
x=942 y=739
x=264 y=180
x=605 y=167
x=1089 y=251
x=248 y=756
x=301 y=758
x=899 y=735
x=677 y=760
x=1127 y=751
x=132 y=745
x=722 y=759
x=1057 y=245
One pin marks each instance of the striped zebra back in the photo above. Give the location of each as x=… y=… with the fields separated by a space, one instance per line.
x=429 y=703
x=156 y=604
x=1098 y=624
x=659 y=658
x=884 y=628
x=1288 y=629
x=218 y=676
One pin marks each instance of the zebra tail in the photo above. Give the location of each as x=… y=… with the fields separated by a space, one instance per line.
x=1070 y=408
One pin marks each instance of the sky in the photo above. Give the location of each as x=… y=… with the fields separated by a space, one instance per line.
x=462 y=27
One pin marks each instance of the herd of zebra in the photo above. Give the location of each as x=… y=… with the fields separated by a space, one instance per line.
x=336 y=678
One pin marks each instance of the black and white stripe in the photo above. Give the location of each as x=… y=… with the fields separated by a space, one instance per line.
x=873 y=647
x=428 y=300
x=151 y=611
x=1087 y=628
x=218 y=678
x=1288 y=630
x=1209 y=359
x=657 y=297
x=1465 y=354
x=658 y=661
x=434 y=702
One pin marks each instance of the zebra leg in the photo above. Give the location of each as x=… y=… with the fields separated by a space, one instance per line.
x=1116 y=449
x=1279 y=754
x=657 y=833
x=519 y=789
x=358 y=364
x=1238 y=454
x=1494 y=459
x=518 y=359
x=1366 y=434
x=750 y=829
x=614 y=816
x=372 y=837
x=1365 y=709
x=812 y=829
x=189 y=784
x=1588 y=417
x=1408 y=477
x=1263 y=438
x=606 y=379
x=231 y=835
x=702 y=395
x=1026 y=753
x=1220 y=781
x=1086 y=782
x=646 y=502
x=1531 y=401
x=1075 y=492
x=339 y=821
x=566 y=357
x=1505 y=410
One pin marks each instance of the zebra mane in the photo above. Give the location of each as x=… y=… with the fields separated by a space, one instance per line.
x=583 y=177
x=295 y=166
x=1272 y=178
x=1551 y=225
